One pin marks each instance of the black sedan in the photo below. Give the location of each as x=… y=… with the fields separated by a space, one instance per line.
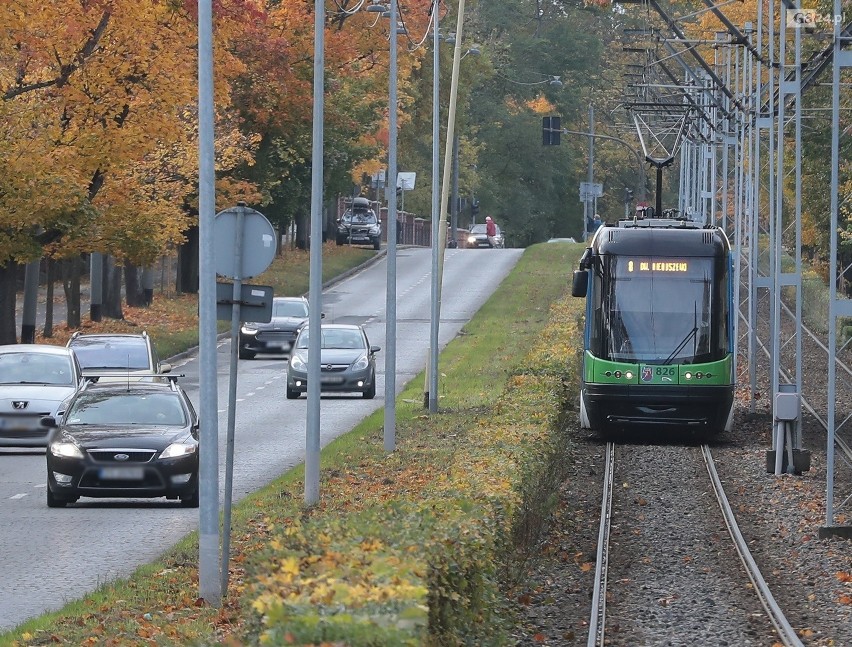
x=138 y=439
x=347 y=361
x=289 y=314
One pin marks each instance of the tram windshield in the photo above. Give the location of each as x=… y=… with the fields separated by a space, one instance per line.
x=657 y=310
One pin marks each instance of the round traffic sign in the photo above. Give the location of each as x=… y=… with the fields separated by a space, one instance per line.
x=246 y=255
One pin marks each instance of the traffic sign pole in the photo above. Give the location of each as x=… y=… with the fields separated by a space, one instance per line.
x=245 y=243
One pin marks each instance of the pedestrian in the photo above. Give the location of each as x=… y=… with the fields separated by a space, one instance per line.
x=491 y=231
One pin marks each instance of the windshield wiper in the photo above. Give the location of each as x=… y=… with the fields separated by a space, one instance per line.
x=680 y=346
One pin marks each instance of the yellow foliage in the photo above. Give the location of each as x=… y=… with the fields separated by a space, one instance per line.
x=540 y=105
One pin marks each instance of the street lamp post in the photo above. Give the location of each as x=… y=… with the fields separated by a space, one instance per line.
x=312 y=430
x=390 y=324
x=435 y=309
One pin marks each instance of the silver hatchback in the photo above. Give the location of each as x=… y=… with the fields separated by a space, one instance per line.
x=347 y=361
x=35 y=382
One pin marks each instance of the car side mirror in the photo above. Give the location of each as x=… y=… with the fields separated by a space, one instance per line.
x=375 y=349
x=48 y=421
x=580 y=285
x=322 y=315
x=165 y=367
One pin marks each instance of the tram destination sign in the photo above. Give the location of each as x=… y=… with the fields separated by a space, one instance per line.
x=687 y=268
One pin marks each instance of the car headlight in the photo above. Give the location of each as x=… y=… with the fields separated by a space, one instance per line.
x=65 y=449
x=178 y=449
x=248 y=329
x=361 y=363
x=298 y=363
x=374 y=230
x=471 y=239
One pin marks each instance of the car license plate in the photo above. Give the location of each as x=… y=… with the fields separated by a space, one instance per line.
x=331 y=380
x=122 y=473
x=19 y=423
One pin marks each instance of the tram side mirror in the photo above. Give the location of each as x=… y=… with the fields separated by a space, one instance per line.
x=580 y=284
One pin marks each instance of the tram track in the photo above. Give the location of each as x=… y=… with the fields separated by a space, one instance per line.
x=671 y=573
x=741 y=628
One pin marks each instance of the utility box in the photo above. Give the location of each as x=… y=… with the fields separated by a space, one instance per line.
x=786 y=406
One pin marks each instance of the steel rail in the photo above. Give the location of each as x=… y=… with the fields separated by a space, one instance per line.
x=786 y=633
x=597 y=620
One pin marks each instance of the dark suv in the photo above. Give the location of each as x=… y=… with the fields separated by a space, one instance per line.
x=359 y=225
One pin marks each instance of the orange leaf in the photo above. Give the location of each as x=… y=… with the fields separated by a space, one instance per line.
x=539 y=638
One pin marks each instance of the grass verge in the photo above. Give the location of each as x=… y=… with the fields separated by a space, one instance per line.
x=415 y=547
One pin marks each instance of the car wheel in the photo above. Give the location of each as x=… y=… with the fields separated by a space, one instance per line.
x=370 y=392
x=246 y=354
x=291 y=394
x=190 y=500
x=54 y=501
x=340 y=241
x=377 y=244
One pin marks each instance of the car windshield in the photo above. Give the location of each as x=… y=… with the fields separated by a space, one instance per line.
x=289 y=309
x=481 y=229
x=336 y=338
x=127 y=408
x=117 y=353
x=36 y=368
x=360 y=217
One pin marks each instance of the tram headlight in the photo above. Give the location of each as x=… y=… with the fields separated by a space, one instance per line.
x=688 y=375
x=629 y=375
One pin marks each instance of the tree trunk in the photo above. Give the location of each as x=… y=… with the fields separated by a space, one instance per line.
x=48 y=307
x=187 y=263
x=72 y=268
x=132 y=286
x=302 y=233
x=112 y=281
x=8 y=300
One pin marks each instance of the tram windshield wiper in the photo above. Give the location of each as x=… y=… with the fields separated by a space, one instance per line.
x=680 y=346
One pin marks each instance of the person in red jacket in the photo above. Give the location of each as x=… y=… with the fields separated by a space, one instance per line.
x=491 y=231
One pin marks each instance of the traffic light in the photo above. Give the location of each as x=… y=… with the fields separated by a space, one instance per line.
x=628 y=195
x=551 y=130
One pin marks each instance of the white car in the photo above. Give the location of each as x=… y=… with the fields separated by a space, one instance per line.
x=35 y=381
